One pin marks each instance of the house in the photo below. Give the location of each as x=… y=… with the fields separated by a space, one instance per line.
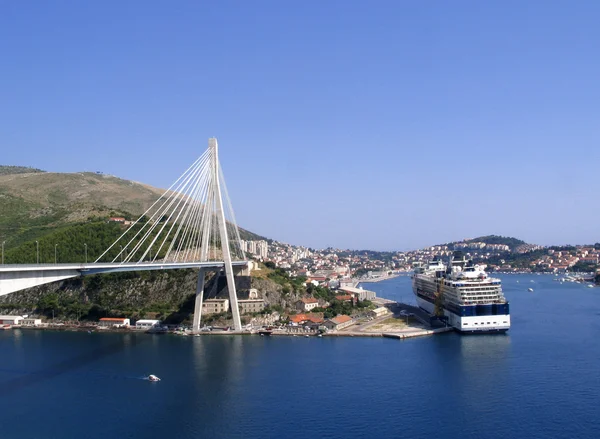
x=339 y=322
x=344 y=298
x=116 y=219
x=147 y=324
x=31 y=322
x=307 y=304
x=215 y=306
x=10 y=320
x=114 y=322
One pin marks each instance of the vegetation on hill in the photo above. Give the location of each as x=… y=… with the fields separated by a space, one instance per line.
x=502 y=240
x=68 y=244
x=33 y=205
x=7 y=170
x=516 y=260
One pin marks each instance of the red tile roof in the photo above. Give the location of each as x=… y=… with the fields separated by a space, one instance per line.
x=310 y=300
x=310 y=317
x=341 y=319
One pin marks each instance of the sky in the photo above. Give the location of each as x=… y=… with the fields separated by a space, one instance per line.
x=384 y=125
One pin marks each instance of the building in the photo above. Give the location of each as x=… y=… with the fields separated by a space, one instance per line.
x=346 y=282
x=251 y=305
x=344 y=298
x=378 y=312
x=147 y=324
x=10 y=320
x=114 y=322
x=215 y=306
x=262 y=249
x=339 y=322
x=307 y=304
x=31 y=322
x=314 y=317
x=359 y=293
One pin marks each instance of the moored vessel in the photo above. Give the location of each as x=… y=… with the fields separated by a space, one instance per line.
x=462 y=294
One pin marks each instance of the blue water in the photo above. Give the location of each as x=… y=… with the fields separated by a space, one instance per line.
x=541 y=380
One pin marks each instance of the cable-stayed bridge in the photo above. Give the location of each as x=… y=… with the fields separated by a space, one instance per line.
x=192 y=225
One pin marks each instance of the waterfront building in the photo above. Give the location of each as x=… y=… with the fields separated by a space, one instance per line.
x=147 y=324
x=307 y=304
x=359 y=293
x=118 y=322
x=10 y=320
x=31 y=322
x=378 y=312
x=339 y=322
x=215 y=306
x=314 y=317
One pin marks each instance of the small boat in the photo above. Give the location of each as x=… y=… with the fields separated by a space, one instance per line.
x=530 y=290
x=307 y=335
x=590 y=286
x=265 y=332
x=153 y=378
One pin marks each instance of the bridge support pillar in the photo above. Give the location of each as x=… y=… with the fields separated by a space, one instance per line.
x=220 y=214
x=199 y=299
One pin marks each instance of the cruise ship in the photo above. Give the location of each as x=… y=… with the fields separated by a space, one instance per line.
x=463 y=294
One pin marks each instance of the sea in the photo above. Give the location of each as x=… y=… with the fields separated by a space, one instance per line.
x=540 y=380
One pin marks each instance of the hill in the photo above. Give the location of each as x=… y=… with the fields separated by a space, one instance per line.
x=6 y=170
x=513 y=243
x=34 y=203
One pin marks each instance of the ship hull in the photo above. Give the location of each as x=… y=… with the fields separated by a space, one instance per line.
x=466 y=324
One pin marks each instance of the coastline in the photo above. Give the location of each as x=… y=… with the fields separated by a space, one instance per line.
x=375 y=279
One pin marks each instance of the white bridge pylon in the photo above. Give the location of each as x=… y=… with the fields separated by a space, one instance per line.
x=191 y=222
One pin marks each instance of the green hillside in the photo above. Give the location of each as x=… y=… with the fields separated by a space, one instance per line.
x=34 y=203
x=513 y=243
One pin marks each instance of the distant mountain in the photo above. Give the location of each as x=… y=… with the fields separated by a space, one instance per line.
x=34 y=203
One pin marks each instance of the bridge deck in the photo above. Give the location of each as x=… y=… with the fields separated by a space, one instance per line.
x=103 y=267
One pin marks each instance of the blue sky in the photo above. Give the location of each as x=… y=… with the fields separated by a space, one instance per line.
x=354 y=124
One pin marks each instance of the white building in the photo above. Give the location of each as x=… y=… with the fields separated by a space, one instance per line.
x=307 y=304
x=31 y=322
x=378 y=312
x=10 y=320
x=117 y=322
x=359 y=293
x=147 y=324
x=262 y=249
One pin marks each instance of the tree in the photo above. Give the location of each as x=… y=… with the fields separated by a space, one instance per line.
x=48 y=303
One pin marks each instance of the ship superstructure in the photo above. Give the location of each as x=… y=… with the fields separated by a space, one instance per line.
x=462 y=293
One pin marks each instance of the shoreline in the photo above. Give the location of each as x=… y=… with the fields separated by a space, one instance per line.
x=376 y=279
x=396 y=335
